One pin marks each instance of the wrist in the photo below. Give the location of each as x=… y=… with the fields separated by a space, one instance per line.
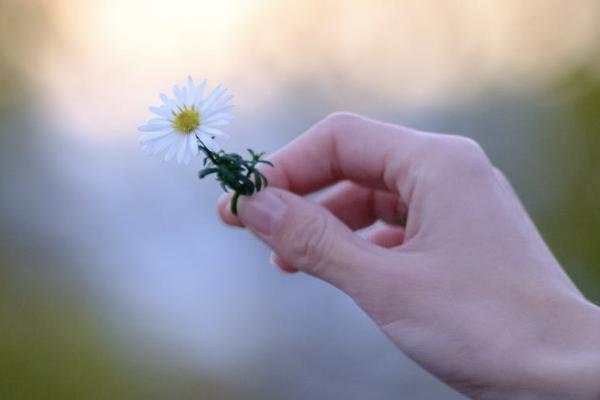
x=564 y=361
x=576 y=367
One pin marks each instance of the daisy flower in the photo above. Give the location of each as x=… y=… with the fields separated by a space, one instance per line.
x=188 y=124
x=185 y=122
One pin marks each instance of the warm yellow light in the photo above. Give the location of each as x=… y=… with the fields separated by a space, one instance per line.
x=117 y=54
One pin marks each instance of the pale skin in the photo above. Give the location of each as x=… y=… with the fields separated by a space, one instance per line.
x=458 y=277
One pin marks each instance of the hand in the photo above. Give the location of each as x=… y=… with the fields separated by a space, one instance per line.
x=466 y=287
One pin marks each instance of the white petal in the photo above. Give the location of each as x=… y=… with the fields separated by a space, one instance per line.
x=193 y=143
x=168 y=102
x=209 y=142
x=187 y=158
x=174 y=147
x=159 y=145
x=162 y=111
x=199 y=93
x=223 y=101
x=154 y=127
x=158 y=121
x=221 y=114
x=217 y=122
x=148 y=137
x=211 y=131
x=215 y=133
x=184 y=157
x=216 y=99
x=217 y=110
x=212 y=97
x=179 y=94
x=225 y=116
x=191 y=91
x=188 y=153
x=209 y=98
x=186 y=97
x=182 y=145
x=219 y=134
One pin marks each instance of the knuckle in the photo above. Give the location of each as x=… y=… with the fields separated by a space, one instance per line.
x=461 y=155
x=310 y=243
x=339 y=119
x=463 y=147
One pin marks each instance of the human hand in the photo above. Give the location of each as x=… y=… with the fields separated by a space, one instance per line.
x=466 y=287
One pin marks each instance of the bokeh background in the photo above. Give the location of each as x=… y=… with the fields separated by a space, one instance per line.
x=116 y=278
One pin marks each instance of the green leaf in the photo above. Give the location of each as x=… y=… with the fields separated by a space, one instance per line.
x=229 y=178
x=257 y=180
x=233 y=158
x=207 y=171
x=264 y=178
x=265 y=162
x=247 y=185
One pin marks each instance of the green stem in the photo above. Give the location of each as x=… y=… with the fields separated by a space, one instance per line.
x=234 y=202
x=207 y=152
x=236 y=195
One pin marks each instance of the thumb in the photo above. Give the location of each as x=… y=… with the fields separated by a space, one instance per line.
x=309 y=237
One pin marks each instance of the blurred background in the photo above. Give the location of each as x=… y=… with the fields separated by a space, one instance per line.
x=116 y=278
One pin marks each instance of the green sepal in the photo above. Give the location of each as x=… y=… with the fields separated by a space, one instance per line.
x=234 y=173
x=265 y=162
x=207 y=171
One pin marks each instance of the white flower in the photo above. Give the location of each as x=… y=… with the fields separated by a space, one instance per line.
x=185 y=119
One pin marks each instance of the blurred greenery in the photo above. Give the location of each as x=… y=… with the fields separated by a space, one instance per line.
x=49 y=348
x=52 y=346
x=572 y=221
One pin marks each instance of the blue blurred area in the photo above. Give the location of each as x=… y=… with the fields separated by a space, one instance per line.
x=118 y=281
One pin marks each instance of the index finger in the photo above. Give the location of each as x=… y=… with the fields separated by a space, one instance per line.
x=346 y=146
x=343 y=146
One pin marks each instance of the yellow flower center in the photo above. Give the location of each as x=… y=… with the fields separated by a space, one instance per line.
x=187 y=120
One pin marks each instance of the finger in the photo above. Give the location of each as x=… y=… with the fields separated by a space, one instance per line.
x=224 y=211
x=358 y=206
x=310 y=238
x=282 y=264
x=386 y=236
x=345 y=146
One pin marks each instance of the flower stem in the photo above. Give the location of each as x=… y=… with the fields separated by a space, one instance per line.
x=234 y=202
x=236 y=194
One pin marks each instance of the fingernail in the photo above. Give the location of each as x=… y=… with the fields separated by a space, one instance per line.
x=262 y=211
